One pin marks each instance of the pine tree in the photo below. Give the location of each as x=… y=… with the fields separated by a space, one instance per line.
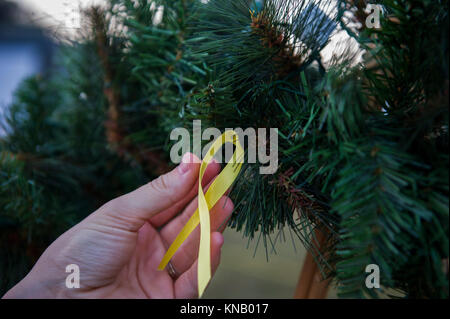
x=363 y=142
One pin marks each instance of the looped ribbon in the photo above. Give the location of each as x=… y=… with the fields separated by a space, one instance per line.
x=205 y=202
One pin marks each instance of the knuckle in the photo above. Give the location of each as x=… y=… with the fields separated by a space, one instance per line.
x=114 y=205
x=160 y=184
x=162 y=187
x=110 y=206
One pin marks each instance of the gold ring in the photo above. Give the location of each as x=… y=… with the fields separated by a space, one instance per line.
x=171 y=270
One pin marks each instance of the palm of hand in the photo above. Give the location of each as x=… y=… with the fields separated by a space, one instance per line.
x=117 y=262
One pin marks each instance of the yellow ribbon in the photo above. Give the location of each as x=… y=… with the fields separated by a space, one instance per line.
x=205 y=202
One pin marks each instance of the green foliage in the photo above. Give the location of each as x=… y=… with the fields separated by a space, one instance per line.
x=29 y=221
x=363 y=144
x=161 y=63
x=56 y=166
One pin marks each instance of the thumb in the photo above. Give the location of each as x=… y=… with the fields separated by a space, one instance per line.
x=132 y=210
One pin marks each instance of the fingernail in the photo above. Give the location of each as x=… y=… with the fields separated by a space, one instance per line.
x=185 y=166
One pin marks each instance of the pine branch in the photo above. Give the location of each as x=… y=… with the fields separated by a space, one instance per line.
x=153 y=161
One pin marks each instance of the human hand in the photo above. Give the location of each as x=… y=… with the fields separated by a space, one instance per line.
x=118 y=247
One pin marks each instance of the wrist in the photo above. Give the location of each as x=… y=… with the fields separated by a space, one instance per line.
x=29 y=288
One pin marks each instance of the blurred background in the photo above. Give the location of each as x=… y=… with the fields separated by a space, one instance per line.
x=29 y=32
x=244 y=274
